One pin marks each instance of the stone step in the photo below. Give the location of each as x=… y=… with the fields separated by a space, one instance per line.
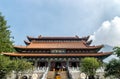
x=64 y=75
x=51 y=75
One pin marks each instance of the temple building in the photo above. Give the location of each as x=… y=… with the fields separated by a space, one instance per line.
x=57 y=53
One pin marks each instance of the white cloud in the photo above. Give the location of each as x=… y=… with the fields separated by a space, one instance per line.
x=108 y=33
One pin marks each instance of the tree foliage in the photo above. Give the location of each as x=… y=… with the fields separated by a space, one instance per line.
x=113 y=67
x=7 y=65
x=89 y=65
x=21 y=65
x=6 y=45
x=117 y=51
x=4 y=66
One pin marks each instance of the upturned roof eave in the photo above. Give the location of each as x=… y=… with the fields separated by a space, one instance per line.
x=26 y=42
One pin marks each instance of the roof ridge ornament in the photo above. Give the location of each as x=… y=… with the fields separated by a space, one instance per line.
x=76 y=36
x=39 y=36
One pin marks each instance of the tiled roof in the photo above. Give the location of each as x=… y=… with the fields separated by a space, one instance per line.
x=57 y=38
x=58 y=55
x=55 y=45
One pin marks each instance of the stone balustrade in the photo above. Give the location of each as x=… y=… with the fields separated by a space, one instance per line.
x=36 y=73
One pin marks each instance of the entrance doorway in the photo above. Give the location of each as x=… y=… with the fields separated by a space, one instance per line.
x=74 y=64
x=42 y=64
x=58 y=66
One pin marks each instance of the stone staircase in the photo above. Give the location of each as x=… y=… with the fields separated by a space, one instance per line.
x=51 y=75
x=63 y=74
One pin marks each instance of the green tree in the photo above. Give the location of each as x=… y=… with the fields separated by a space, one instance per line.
x=6 y=45
x=5 y=66
x=117 y=51
x=21 y=65
x=113 y=68
x=89 y=65
x=18 y=65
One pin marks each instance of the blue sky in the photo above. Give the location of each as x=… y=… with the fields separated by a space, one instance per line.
x=60 y=18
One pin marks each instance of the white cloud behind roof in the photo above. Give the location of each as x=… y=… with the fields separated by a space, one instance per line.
x=108 y=33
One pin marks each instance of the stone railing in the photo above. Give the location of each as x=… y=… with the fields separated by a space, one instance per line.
x=74 y=69
x=40 y=69
x=36 y=73
x=40 y=73
x=74 y=72
x=45 y=73
x=100 y=73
